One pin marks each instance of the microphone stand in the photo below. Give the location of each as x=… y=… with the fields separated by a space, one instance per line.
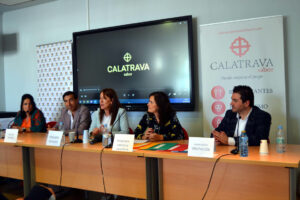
x=10 y=123
x=237 y=149
x=97 y=138
x=78 y=140
x=112 y=135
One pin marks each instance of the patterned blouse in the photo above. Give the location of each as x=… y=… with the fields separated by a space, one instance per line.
x=172 y=130
x=38 y=122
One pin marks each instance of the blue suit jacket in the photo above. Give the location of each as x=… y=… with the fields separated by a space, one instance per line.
x=257 y=127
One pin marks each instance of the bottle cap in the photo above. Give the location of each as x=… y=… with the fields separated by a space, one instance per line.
x=280 y=127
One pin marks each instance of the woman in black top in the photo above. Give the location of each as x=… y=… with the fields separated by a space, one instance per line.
x=160 y=122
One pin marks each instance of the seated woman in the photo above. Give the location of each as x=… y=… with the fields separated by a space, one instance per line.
x=160 y=122
x=29 y=118
x=110 y=115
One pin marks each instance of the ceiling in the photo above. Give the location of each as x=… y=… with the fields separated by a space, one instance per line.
x=8 y=5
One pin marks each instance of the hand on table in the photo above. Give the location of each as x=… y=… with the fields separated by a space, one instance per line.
x=156 y=137
x=147 y=134
x=220 y=137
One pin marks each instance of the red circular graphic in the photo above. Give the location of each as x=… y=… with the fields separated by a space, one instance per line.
x=218 y=107
x=218 y=92
x=216 y=121
x=240 y=46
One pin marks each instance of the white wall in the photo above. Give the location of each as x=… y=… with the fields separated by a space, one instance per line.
x=2 y=91
x=46 y=23
x=55 y=21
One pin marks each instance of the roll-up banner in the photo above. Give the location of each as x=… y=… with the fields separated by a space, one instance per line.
x=244 y=52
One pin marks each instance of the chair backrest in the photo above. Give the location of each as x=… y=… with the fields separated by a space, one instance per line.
x=186 y=135
x=51 y=124
x=130 y=131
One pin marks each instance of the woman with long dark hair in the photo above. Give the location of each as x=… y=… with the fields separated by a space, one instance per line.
x=29 y=118
x=160 y=122
x=109 y=115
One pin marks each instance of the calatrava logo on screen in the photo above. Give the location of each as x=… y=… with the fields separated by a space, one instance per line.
x=240 y=47
x=128 y=68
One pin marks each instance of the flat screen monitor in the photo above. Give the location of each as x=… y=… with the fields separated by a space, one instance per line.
x=136 y=60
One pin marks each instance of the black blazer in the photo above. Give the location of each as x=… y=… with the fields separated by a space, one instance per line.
x=257 y=127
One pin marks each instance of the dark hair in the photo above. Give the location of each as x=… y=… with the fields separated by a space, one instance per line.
x=70 y=93
x=110 y=93
x=165 y=110
x=27 y=96
x=246 y=93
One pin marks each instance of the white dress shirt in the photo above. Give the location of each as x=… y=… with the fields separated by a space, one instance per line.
x=240 y=126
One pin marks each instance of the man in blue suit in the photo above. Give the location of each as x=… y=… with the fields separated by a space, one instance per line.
x=243 y=116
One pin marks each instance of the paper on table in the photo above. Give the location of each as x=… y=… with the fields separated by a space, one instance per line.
x=162 y=146
x=140 y=141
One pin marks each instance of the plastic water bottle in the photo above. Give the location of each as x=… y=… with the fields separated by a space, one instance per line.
x=280 y=140
x=61 y=128
x=244 y=144
x=106 y=139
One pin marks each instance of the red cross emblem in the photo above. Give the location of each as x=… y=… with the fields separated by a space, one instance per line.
x=240 y=46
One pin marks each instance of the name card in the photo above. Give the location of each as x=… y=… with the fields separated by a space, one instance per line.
x=11 y=135
x=201 y=147
x=123 y=142
x=54 y=138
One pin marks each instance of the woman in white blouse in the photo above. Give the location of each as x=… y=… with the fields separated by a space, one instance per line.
x=109 y=115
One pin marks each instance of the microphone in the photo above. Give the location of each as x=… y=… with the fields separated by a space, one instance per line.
x=77 y=140
x=237 y=149
x=10 y=123
x=112 y=135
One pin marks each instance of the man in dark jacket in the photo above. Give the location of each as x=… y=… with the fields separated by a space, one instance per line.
x=243 y=116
